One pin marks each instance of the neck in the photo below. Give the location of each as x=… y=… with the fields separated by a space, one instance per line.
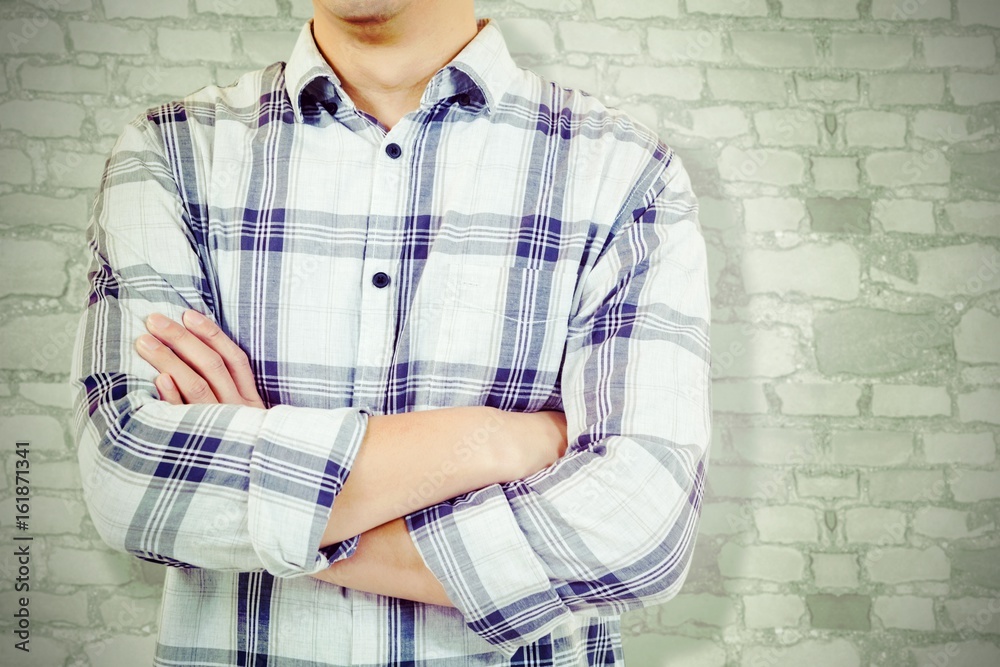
x=385 y=61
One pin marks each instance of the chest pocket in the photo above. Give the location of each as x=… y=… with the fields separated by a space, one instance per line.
x=503 y=324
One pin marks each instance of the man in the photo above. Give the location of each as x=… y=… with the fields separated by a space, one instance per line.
x=410 y=320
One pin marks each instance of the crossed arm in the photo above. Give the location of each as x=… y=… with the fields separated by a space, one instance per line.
x=198 y=363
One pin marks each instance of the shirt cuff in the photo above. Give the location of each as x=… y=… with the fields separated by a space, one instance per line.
x=474 y=546
x=300 y=463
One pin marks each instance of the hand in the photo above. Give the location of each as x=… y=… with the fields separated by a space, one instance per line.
x=198 y=363
x=538 y=440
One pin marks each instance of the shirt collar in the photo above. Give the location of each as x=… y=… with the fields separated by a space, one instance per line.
x=482 y=70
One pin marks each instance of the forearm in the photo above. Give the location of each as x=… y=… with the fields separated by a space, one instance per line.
x=413 y=460
x=387 y=563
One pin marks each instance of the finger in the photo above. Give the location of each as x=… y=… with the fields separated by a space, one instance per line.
x=235 y=358
x=192 y=387
x=200 y=358
x=168 y=390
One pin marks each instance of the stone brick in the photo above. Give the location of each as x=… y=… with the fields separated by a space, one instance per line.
x=36 y=34
x=122 y=650
x=60 y=609
x=946 y=523
x=906 y=486
x=921 y=10
x=835 y=173
x=775 y=49
x=948 y=271
x=50 y=515
x=268 y=46
x=768 y=166
x=819 y=9
x=637 y=9
x=861 y=52
x=44 y=433
x=702 y=609
x=775 y=445
x=872 y=342
x=42 y=118
x=980 y=567
x=812 y=87
x=596 y=38
x=871 y=448
x=237 y=7
x=980 y=218
x=88 y=566
x=579 y=78
x=44 y=651
x=979 y=405
x=649 y=649
x=812 y=652
x=977 y=170
x=76 y=170
x=62 y=5
x=40 y=342
x=119 y=9
x=742 y=397
x=973 y=653
x=971 y=486
x=909 y=216
x=685 y=45
x=897 y=565
x=57 y=475
x=818 y=398
x=747 y=482
x=64 y=79
x=784 y=127
x=839 y=215
x=682 y=83
x=722 y=122
x=881 y=129
x=978 y=12
x=910 y=401
x=750 y=350
x=974 y=615
x=952 y=51
x=525 y=35
x=716 y=213
x=900 y=168
x=826 y=486
x=104 y=38
x=32 y=267
x=768 y=214
x=15 y=167
x=303 y=9
x=908 y=88
x=727 y=7
x=970 y=448
x=976 y=337
x=835 y=570
x=768 y=563
x=27 y=209
x=747 y=85
x=723 y=518
x=875 y=525
x=839 y=612
x=974 y=89
x=828 y=271
x=905 y=612
x=773 y=611
x=786 y=524
x=164 y=81
x=120 y=611
x=199 y=45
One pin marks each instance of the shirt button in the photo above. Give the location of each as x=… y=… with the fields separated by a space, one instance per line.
x=380 y=279
x=331 y=108
x=463 y=100
x=393 y=151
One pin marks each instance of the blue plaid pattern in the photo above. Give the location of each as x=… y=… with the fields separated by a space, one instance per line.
x=540 y=251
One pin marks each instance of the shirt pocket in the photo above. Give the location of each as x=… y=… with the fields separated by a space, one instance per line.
x=505 y=328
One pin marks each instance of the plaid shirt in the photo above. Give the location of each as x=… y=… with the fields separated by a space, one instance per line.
x=511 y=243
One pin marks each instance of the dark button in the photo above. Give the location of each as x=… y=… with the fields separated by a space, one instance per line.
x=331 y=107
x=463 y=99
x=380 y=279
x=393 y=151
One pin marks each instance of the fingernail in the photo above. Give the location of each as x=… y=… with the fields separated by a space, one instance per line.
x=195 y=317
x=148 y=342
x=158 y=321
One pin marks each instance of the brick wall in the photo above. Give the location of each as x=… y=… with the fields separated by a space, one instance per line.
x=847 y=158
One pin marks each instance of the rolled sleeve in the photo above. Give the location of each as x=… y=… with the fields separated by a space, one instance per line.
x=215 y=486
x=610 y=527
